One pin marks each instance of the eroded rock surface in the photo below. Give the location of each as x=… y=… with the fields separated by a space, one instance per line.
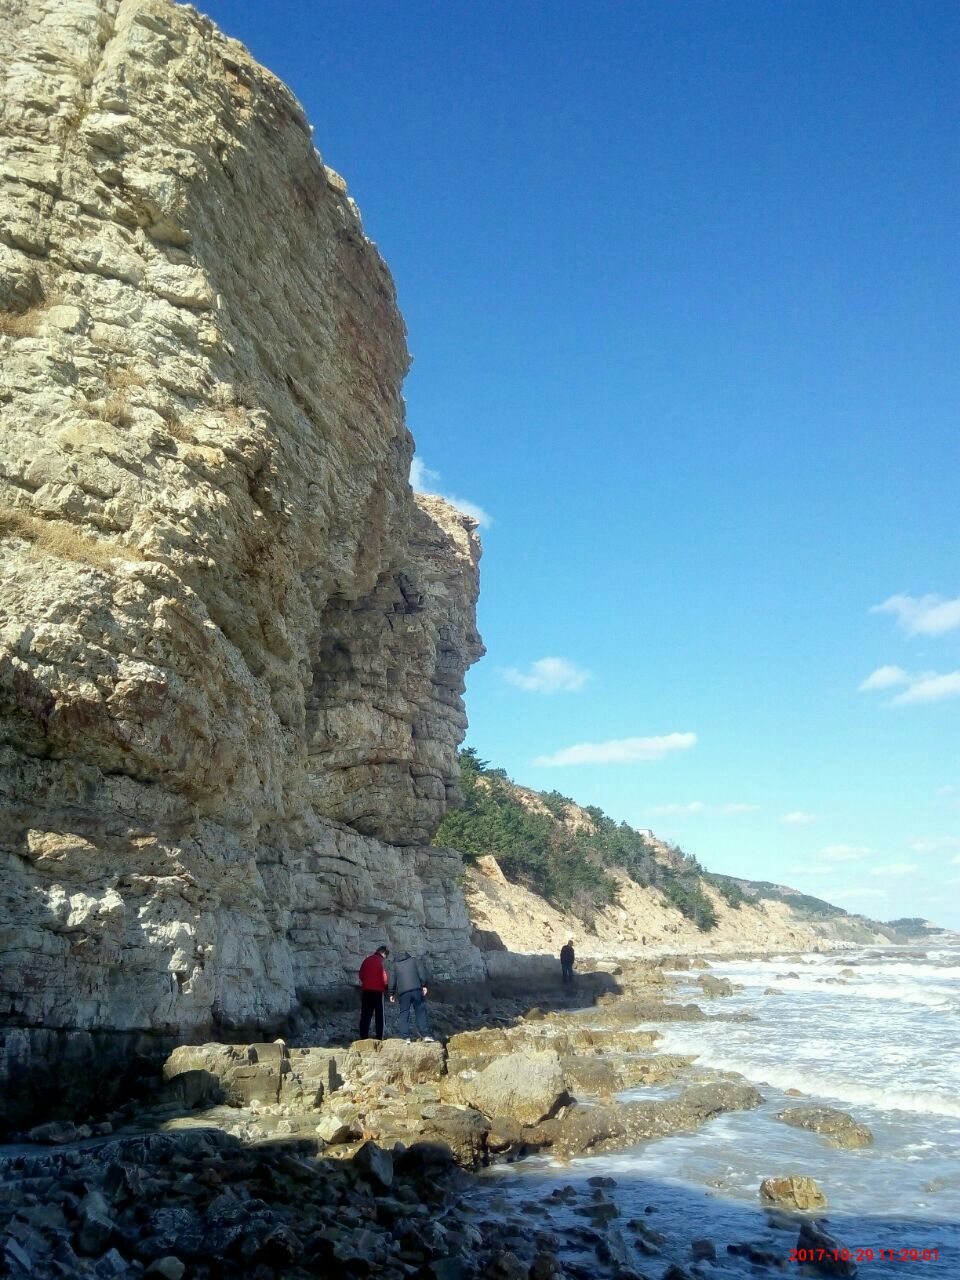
x=232 y=642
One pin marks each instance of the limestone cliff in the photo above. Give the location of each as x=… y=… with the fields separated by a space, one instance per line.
x=232 y=642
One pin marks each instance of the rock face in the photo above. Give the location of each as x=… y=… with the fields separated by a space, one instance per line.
x=232 y=642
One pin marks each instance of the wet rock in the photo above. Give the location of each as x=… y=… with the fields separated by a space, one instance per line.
x=463 y=1130
x=824 y=1246
x=837 y=1127
x=758 y=1254
x=772 y=991
x=712 y=986
x=449 y=1269
x=703 y=1250
x=505 y=1265
x=793 y=1192
x=504 y=1133
x=583 y=1128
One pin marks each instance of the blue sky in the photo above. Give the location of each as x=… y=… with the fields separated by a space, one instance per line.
x=681 y=287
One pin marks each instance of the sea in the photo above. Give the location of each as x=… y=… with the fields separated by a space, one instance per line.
x=874 y=1032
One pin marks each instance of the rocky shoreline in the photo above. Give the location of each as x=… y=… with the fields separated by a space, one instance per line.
x=356 y=1157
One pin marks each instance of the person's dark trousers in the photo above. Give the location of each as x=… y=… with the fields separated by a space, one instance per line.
x=567 y=972
x=371 y=1004
x=413 y=1004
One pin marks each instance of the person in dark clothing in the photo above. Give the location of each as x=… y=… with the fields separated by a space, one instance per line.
x=566 y=961
x=409 y=986
x=373 y=984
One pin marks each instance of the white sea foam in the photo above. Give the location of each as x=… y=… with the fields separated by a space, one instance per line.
x=816 y=1083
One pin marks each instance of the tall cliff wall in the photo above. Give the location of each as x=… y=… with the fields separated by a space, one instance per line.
x=232 y=642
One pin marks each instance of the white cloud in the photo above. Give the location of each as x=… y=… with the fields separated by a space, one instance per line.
x=697 y=806
x=922 y=686
x=620 y=751
x=895 y=869
x=548 y=675
x=930 y=688
x=934 y=844
x=424 y=480
x=884 y=678
x=929 y=615
x=845 y=852
x=798 y=818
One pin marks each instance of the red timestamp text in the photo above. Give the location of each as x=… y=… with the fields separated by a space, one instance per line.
x=880 y=1254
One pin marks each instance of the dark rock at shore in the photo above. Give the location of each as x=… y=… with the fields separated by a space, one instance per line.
x=823 y=1246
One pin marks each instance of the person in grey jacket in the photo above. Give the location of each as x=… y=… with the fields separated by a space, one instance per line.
x=408 y=985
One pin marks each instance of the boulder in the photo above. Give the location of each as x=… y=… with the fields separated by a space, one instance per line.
x=339 y=1124
x=375 y=1164
x=462 y=1130
x=528 y=1086
x=712 y=986
x=812 y=1237
x=837 y=1127
x=792 y=1192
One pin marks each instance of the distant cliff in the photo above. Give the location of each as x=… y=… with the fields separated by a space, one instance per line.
x=232 y=642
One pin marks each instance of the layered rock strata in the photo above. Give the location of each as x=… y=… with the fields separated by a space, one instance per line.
x=232 y=642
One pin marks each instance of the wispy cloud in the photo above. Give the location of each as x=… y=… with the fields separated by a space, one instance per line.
x=698 y=806
x=921 y=686
x=930 y=688
x=844 y=852
x=934 y=844
x=423 y=480
x=929 y=615
x=548 y=675
x=895 y=869
x=798 y=818
x=884 y=678
x=619 y=751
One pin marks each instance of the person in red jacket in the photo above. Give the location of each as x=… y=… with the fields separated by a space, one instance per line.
x=373 y=983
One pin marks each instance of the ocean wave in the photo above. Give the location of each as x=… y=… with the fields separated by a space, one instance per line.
x=900 y=987
x=821 y=1084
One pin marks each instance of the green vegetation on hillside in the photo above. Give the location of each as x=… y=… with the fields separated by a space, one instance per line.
x=804 y=905
x=569 y=868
